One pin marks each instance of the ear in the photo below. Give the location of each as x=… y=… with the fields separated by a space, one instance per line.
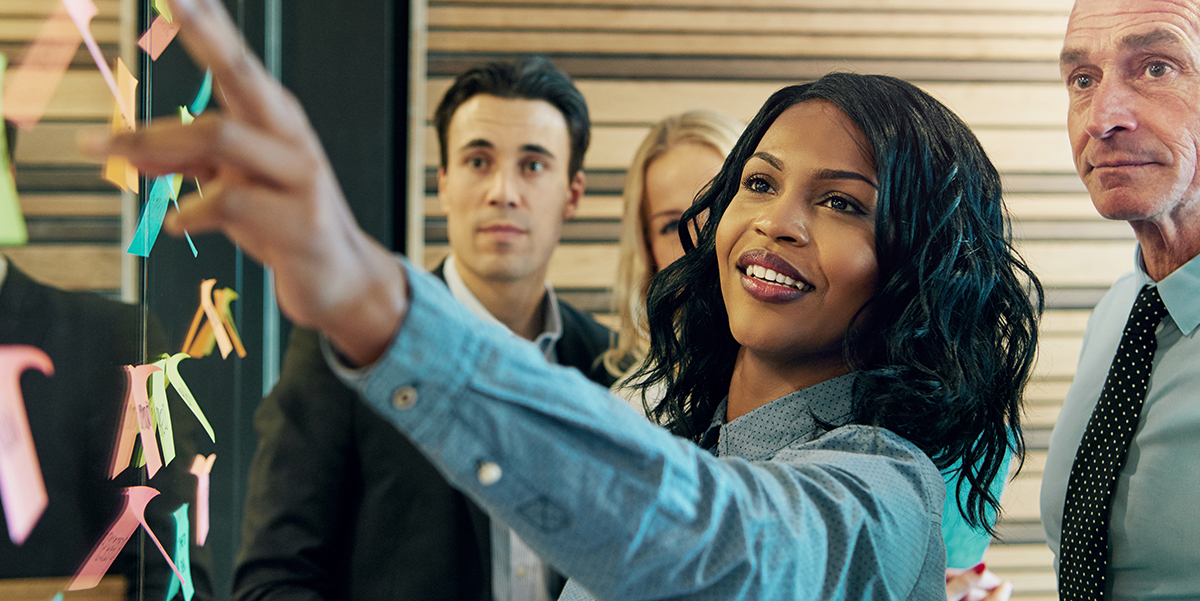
x=578 y=183
x=441 y=183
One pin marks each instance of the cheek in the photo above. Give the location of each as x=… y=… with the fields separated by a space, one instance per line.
x=855 y=269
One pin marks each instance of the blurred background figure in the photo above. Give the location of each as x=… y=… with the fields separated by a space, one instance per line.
x=678 y=158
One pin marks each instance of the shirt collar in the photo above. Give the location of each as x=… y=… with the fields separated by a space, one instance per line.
x=1179 y=291
x=552 y=329
x=797 y=417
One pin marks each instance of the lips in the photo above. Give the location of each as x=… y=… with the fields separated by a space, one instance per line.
x=501 y=229
x=770 y=278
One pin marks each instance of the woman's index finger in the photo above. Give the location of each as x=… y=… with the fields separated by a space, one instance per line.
x=246 y=90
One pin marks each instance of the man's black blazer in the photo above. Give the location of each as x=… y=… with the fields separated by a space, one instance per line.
x=340 y=505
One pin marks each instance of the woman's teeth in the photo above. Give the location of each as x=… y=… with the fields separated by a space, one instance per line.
x=770 y=275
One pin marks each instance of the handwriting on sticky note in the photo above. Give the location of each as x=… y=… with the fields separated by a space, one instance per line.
x=118 y=169
x=135 y=397
x=12 y=221
x=22 y=489
x=81 y=12
x=150 y=223
x=186 y=393
x=162 y=411
x=202 y=467
x=158 y=37
x=133 y=513
x=32 y=83
x=182 y=555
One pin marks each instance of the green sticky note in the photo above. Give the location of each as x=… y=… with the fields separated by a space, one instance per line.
x=12 y=222
x=161 y=411
x=160 y=7
x=181 y=387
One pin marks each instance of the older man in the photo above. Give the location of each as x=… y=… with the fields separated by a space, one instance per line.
x=1121 y=478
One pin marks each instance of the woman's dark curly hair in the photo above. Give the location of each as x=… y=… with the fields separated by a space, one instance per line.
x=945 y=354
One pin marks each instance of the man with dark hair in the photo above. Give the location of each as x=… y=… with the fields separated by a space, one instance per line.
x=340 y=505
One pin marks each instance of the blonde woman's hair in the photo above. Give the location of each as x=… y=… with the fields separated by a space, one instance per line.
x=636 y=263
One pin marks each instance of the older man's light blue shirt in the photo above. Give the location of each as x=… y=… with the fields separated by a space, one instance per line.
x=1154 y=535
x=629 y=511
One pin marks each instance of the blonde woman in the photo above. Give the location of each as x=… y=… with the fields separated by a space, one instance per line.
x=678 y=158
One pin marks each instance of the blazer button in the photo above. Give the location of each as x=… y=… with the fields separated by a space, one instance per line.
x=404 y=398
x=488 y=473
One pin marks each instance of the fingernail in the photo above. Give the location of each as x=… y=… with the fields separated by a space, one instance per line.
x=94 y=141
x=979 y=568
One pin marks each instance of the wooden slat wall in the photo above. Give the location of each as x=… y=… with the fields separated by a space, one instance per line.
x=992 y=61
x=73 y=216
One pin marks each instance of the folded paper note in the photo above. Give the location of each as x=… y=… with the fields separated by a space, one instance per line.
x=131 y=421
x=81 y=12
x=182 y=555
x=109 y=546
x=22 y=489
x=202 y=467
x=158 y=37
x=218 y=328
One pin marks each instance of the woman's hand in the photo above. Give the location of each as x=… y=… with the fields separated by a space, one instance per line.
x=270 y=189
x=976 y=584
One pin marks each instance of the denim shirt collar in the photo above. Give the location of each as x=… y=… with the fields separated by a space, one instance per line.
x=764 y=432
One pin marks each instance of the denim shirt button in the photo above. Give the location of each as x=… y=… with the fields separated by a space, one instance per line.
x=404 y=398
x=488 y=473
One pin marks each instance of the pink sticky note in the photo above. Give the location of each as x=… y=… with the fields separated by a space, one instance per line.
x=100 y=559
x=31 y=83
x=135 y=397
x=214 y=318
x=22 y=489
x=145 y=419
x=202 y=467
x=158 y=37
x=81 y=12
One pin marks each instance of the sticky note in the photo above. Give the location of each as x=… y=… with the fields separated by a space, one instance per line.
x=32 y=83
x=57 y=597
x=162 y=411
x=117 y=169
x=81 y=12
x=221 y=301
x=160 y=7
x=200 y=337
x=200 y=102
x=182 y=558
x=186 y=393
x=150 y=223
x=22 y=489
x=158 y=37
x=136 y=377
x=12 y=221
x=202 y=467
x=133 y=513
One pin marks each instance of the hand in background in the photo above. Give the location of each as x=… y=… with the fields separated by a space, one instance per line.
x=976 y=584
x=270 y=189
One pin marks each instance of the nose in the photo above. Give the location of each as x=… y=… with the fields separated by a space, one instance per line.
x=502 y=190
x=784 y=221
x=1110 y=109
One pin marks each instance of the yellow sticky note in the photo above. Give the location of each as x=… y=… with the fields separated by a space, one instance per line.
x=118 y=170
x=160 y=7
x=12 y=221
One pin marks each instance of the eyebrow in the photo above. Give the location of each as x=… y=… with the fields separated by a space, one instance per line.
x=1137 y=41
x=774 y=161
x=534 y=148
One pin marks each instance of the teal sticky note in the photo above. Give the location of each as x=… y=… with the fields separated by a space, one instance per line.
x=57 y=597
x=151 y=220
x=182 y=558
x=12 y=221
x=203 y=96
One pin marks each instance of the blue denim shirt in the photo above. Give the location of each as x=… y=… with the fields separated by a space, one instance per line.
x=629 y=511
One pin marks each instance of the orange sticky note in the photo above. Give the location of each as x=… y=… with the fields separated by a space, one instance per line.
x=22 y=490
x=158 y=37
x=221 y=300
x=118 y=170
x=100 y=559
x=135 y=398
x=198 y=342
x=31 y=84
x=81 y=12
x=202 y=467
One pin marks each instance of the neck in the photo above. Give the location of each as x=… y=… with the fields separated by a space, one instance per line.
x=759 y=379
x=1166 y=245
x=518 y=304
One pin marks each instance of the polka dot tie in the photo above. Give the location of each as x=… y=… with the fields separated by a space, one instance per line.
x=1083 y=559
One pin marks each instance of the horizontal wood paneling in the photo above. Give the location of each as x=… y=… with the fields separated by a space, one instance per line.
x=74 y=267
x=1042 y=7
